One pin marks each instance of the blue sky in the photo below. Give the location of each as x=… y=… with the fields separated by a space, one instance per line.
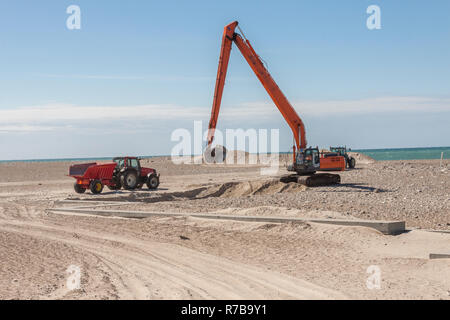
x=137 y=70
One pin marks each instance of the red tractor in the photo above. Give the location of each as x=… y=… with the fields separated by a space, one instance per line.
x=124 y=172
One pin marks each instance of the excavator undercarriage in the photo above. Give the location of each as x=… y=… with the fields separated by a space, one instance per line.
x=313 y=180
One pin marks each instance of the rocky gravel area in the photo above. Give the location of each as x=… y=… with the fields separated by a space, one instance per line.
x=417 y=191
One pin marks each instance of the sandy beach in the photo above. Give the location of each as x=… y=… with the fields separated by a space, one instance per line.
x=183 y=257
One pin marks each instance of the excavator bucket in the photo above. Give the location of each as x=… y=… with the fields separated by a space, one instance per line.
x=217 y=154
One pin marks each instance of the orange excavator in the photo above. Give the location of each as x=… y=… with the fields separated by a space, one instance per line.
x=306 y=160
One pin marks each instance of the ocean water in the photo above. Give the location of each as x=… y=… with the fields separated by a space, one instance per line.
x=406 y=153
x=71 y=159
x=377 y=154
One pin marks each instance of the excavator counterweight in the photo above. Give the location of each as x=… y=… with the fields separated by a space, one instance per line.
x=306 y=161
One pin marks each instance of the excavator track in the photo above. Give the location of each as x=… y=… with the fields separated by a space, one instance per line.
x=314 y=180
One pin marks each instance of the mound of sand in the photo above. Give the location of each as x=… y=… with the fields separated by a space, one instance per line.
x=240 y=157
x=249 y=188
x=232 y=157
x=362 y=158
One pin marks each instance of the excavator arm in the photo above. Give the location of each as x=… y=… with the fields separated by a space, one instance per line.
x=309 y=160
x=286 y=109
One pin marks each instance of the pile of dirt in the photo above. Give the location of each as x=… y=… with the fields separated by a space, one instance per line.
x=231 y=157
x=219 y=190
x=240 y=157
x=362 y=158
x=249 y=188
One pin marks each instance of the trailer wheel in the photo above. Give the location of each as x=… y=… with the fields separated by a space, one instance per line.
x=78 y=188
x=152 y=182
x=129 y=180
x=96 y=187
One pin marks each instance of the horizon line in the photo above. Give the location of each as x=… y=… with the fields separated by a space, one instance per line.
x=190 y=155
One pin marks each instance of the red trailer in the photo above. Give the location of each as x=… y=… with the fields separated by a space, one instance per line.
x=124 y=172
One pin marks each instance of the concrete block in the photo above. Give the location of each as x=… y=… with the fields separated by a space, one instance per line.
x=439 y=255
x=385 y=227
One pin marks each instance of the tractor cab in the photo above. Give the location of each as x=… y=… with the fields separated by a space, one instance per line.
x=133 y=163
x=124 y=163
x=341 y=151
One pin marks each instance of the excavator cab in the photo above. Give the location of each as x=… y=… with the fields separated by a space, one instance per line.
x=307 y=161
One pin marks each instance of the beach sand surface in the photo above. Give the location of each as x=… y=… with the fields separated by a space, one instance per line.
x=193 y=258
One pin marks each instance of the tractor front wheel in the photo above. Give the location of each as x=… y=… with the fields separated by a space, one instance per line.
x=153 y=182
x=79 y=188
x=96 y=187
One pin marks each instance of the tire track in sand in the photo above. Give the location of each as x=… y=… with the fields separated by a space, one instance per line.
x=151 y=270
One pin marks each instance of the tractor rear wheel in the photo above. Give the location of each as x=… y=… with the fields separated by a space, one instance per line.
x=78 y=188
x=96 y=187
x=129 y=180
x=351 y=163
x=152 y=182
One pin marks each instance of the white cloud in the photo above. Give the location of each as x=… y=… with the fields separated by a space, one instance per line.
x=58 y=116
x=89 y=76
x=64 y=112
x=159 y=78
x=24 y=128
x=361 y=106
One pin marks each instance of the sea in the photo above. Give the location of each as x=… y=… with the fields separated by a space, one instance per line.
x=377 y=154
x=407 y=153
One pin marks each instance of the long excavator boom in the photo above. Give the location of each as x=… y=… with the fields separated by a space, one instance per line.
x=306 y=161
x=280 y=100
